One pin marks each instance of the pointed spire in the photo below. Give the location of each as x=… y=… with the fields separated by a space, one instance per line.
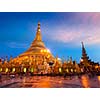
x=84 y=54
x=0 y=61
x=38 y=29
x=11 y=58
x=71 y=60
x=38 y=33
x=6 y=58
x=82 y=44
x=83 y=48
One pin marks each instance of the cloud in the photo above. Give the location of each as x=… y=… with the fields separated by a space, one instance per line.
x=85 y=27
x=92 y=18
x=76 y=36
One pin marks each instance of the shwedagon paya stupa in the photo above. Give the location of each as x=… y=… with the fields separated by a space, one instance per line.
x=37 y=52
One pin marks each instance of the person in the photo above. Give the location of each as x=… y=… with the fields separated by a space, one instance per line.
x=41 y=73
x=20 y=77
x=65 y=75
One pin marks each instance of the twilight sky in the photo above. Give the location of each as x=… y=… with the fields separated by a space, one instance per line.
x=61 y=32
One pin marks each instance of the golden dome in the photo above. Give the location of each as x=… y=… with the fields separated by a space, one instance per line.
x=37 y=47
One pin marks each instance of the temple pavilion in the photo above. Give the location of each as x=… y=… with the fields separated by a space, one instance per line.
x=86 y=62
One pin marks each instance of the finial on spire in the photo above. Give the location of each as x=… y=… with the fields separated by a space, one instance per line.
x=82 y=45
x=38 y=23
x=84 y=57
x=38 y=33
x=38 y=29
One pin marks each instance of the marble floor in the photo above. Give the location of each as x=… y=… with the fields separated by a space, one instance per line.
x=51 y=82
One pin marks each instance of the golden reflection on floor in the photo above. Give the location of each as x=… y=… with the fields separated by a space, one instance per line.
x=85 y=82
x=56 y=82
x=98 y=80
x=45 y=83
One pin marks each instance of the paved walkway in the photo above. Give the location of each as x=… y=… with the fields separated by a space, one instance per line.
x=50 y=82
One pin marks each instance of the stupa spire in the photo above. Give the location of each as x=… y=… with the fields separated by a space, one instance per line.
x=37 y=46
x=83 y=49
x=38 y=33
x=84 y=54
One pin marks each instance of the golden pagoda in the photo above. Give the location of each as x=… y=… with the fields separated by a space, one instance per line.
x=37 y=56
x=37 y=48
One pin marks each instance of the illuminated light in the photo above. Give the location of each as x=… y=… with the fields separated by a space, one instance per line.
x=67 y=70
x=82 y=70
x=32 y=69
x=96 y=66
x=59 y=59
x=71 y=70
x=81 y=60
x=0 y=69
x=48 y=56
x=75 y=70
x=48 y=50
x=13 y=70
x=26 y=57
x=60 y=70
x=41 y=50
x=24 y=69
x=68 y=61
x=45 y=50
x=39 y=30
x=6 y=69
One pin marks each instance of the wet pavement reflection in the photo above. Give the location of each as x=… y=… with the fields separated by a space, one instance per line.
x=52 y=82
x=85 y=82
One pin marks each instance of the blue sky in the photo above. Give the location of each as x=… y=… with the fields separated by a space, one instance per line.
x=61 y=32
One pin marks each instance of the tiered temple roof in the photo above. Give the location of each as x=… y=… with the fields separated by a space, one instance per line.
x=85 y=58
